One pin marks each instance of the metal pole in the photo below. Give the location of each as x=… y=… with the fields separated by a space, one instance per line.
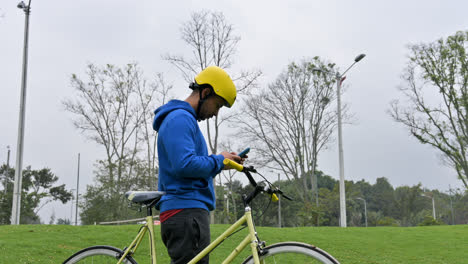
x=16 y=205
x=279 y=204
x=365 y=211
x=71 y=211
x=8 y=157
x=433 y=207
x=5 y=182
x=77 y=190
x=451 y=204
x=340 y=154
x=227 y=203
x=342 y=219
x=365 y=208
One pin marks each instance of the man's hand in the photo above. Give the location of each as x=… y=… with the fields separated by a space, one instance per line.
x=232 y=156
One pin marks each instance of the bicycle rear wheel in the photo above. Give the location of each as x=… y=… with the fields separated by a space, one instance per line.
x=99 y=255
x=293 y=252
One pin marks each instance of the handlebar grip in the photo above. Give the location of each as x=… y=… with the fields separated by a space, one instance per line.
x=233 y=164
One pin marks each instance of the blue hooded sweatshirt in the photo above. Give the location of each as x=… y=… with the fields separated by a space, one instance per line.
x=185 y=168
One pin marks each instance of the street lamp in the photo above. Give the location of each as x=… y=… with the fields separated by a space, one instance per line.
x=451 y=204
x=365 y=208
x=339 y=80
x=433 y=204
x=16 y=205
x=77 y=191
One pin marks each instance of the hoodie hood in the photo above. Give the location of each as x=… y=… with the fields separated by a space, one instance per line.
x=163 y=111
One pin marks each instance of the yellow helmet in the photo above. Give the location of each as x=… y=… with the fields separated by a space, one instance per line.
x=220 y=81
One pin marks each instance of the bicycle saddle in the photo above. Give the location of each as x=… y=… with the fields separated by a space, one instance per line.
x=144 y=197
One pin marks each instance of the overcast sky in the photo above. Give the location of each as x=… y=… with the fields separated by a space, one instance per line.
x=67 y=35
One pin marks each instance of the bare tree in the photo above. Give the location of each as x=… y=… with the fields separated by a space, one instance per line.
x=212 y=41
x=292 y=120
x=439 y=69
x=113 y=108
x=159 y=95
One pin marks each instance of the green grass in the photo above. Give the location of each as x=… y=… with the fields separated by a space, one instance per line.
x=432 y=244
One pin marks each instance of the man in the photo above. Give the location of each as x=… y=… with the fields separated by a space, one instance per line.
x=186 y=171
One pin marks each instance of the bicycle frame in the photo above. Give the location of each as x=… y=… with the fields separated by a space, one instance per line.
x=148 y=227
x=251 y=238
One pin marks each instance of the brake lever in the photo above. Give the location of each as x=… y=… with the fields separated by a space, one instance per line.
x=284 y=195
x=250 y=168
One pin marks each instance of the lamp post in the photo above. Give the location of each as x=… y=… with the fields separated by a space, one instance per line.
x=339 y=80
x=279 y=204
x=451 y=204
x=433 y=204
x=77 y=191
x=16 y=205
x=365 y=208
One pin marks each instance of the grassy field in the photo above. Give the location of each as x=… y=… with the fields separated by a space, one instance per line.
x=432 y=244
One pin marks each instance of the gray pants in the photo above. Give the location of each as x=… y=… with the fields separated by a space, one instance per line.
x=185 y=234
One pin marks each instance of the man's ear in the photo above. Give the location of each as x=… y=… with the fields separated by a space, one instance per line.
x=206 y=92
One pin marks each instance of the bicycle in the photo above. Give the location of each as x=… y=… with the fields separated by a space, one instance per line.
x=283 y=252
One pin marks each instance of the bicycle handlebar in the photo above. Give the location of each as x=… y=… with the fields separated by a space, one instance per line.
x=247 y=170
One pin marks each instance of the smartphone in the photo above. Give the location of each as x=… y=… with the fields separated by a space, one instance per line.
x=244 y=152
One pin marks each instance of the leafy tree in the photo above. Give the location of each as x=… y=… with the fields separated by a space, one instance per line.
x=439 y=68
x=329 y=206
x=62 y=221
x=387 y=221
x=325 y=181
x=99 y=204
x=429 y=220
x=408 y=203
x=382 y=197
x=374 y=217
x=460 y=206
x=38 y=189
x=364 y=188
x=386 y=206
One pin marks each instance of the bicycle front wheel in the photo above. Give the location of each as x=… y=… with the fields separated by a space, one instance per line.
x=99 y=255
x=293 y=252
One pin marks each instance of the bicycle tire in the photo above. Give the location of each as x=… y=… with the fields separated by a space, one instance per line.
x=293 y=252
x=99 y=255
